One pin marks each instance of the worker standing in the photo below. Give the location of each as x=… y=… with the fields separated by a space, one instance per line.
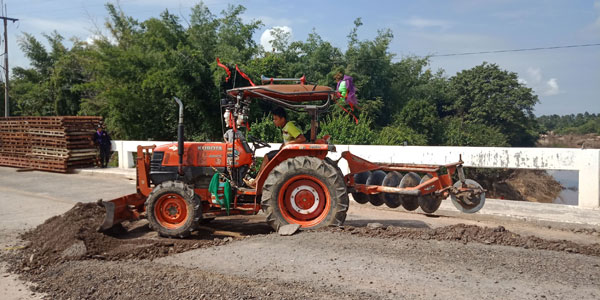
x=345 y=89
x=102 y=141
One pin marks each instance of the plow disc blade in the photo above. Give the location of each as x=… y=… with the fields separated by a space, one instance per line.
x=411 y=179
x=469 y=201
x=376 y=178
x=429 y=203
x=121 y=209
x=391 y=179
x=361 y=178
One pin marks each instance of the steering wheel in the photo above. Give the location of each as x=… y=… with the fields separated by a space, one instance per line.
x=258 y=143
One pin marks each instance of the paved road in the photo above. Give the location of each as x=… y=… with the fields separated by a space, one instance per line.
x=29 y=198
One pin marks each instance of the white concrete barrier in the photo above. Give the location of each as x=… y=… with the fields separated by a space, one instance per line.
x=127 y=148
x=585 y=161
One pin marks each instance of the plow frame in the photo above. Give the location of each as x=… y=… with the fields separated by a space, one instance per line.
x=440 y=185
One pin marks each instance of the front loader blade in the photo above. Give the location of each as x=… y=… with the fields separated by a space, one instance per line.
x=109 y=216
x=126 y=208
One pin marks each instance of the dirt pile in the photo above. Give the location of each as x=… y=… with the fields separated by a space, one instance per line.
x=520 y=184
x=73 y=236
x=469 y=234
x=146 y=280
x=67 y=259
x=534 y=185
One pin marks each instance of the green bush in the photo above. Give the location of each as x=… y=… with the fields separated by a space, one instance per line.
x=343 y=130
x=397 y=135
x=265 y=130
x=459 y=132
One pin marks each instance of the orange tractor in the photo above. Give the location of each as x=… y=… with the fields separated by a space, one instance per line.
x=300 y=185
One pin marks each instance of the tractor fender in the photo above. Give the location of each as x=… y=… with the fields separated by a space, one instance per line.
x=291 y=151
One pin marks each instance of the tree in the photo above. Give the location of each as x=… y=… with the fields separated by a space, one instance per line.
x=488 y=95
x=131 y=76
x=398 y=135
x=578 y=124
x=157 y=59
x=343 y=130
x=317 y=58
x=459 y=132
x=421 y=116
x=50 y=86
x=265 y=130
x=234 y=37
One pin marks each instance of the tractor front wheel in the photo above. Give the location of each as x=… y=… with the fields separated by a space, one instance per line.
x=307 y=191
x=173 y=209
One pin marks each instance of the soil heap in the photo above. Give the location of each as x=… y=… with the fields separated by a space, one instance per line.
x=73 y=236
x=471 y=234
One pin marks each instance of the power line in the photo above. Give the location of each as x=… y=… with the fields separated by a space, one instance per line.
x=516 y=50
x=485 y=52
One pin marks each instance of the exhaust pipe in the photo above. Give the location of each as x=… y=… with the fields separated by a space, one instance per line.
x=180 y=136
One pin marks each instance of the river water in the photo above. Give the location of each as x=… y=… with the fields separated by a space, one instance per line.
x=569 y=180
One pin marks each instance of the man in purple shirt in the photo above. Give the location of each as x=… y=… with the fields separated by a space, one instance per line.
x=102 y=141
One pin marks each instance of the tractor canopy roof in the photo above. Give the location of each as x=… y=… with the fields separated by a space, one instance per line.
x=286 y=92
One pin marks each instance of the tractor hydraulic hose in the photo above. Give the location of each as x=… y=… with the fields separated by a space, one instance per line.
x=180 y=136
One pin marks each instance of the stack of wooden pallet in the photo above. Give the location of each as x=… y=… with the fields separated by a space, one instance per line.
x=48 y=143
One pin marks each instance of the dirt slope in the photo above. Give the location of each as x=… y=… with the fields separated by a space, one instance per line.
x=520 y=184
x=67 y=259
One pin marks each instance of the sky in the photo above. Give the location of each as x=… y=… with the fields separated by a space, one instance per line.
x=566 y=80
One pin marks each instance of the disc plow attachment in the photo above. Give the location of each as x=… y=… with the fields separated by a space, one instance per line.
x=412 y=185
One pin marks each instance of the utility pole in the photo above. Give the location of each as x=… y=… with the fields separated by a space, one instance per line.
x=6 y=19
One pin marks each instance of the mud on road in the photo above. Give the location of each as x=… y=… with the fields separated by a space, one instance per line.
x=241 y=258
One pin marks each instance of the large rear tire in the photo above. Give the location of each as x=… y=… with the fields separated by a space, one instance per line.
x=307 y=191
x=173 y=209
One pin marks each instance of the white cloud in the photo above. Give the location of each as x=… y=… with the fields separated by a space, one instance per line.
x=267 y=37
x=422 y=23
x=535 y=80
x=552 y=87
x=94 y=37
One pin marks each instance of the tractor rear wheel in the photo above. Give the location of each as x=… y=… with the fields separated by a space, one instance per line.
x=307 y=191
x=173 y=209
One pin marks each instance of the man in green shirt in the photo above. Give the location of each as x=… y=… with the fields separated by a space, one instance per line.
x=290 y=133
